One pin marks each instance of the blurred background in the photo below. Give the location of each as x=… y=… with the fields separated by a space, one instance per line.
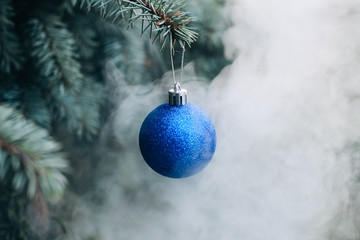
x=279 y=79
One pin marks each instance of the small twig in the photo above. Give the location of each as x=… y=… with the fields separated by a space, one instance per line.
x=160 y=15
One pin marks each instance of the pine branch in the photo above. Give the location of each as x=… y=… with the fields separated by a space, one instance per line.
x=127 y=53
x=29 y=159
x=10 y=52
x=90 y=101
x=163 y=17
x=80 y=111
x=10 y=91
x=82 y=28
x=52 y=49
x=34 y=107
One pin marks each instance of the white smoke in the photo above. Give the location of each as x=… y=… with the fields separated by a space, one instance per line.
x=284 y=112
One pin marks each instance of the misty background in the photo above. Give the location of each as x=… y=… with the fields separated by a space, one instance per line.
x=287 y=122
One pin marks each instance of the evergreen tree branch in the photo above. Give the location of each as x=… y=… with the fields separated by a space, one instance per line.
x=10 y=91
x=82 y=28
x=125 y=50
x=163 y=17
x=34 y=107
x=53 y=51
x=80 y=111
x=10 y=52
x=29 y=159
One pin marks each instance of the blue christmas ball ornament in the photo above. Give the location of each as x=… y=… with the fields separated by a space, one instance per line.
x=177 y=139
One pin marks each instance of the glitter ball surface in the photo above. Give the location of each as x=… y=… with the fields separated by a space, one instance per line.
x=177 y=142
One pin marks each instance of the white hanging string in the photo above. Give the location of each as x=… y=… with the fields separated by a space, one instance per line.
x=172 y=61
x=182 y=63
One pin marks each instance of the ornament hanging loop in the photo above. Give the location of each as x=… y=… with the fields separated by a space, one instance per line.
x=172 y=60
x=182 y=61
x=182 y=44
x=177 y=95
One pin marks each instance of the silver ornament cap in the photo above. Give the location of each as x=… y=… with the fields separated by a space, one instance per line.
x=177 y=95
